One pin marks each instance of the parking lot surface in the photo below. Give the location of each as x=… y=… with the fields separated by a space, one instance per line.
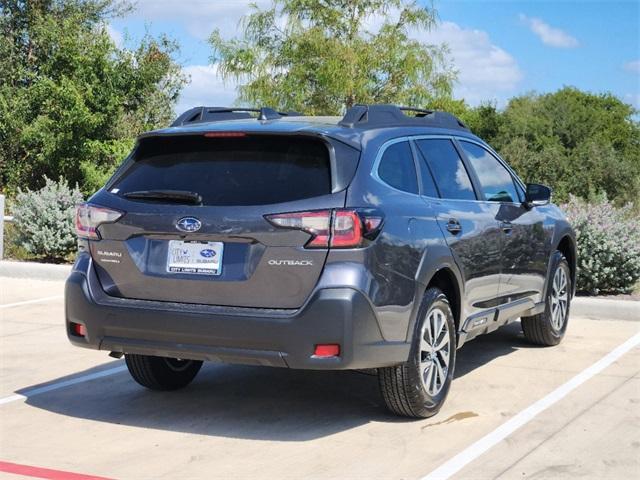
x=514 y=411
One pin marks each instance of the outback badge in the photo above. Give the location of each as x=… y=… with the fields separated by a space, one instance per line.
x=188 y=224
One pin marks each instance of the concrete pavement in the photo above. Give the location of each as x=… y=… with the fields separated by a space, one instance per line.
x=250 y=422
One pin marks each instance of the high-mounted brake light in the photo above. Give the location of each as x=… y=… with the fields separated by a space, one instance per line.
x=90 y=217
x=225 y=134
x=343 y=228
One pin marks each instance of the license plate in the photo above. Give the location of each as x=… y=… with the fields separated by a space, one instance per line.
x=202 y=258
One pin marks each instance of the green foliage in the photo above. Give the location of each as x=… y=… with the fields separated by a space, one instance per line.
x=44 y=220
x=608 y=246
x=576 y=142
x=12 y=248
x=320 y=57
x=71 y=101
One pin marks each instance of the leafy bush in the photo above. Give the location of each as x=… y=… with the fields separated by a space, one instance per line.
x=44 y=220
x=12 y=249
x=70 y=97
x=576 y=142
x=608 y=245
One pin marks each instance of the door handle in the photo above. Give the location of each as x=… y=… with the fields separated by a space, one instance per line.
x=506 y=227
x=454 y=226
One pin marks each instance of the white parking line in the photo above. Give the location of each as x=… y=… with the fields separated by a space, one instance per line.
x=27 y=302
x=476 y=449
x=56 y=386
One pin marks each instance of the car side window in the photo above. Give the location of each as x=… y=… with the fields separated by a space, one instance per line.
x=397 y=169
x=444 y=163
x=428 y=183
x=495 y=180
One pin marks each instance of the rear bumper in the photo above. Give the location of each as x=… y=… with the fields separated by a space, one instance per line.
x=284 y=338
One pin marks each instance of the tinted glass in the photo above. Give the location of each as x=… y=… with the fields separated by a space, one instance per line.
x=231 y=171
x=495 y=180
x=448 y=170
x=397 y=168
x=428 y=183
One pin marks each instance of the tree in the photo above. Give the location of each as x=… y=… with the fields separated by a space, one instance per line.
x=319 y=57
x=577 y=142
x=71 y=101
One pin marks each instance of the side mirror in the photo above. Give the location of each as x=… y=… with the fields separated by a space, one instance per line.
x=537 y=195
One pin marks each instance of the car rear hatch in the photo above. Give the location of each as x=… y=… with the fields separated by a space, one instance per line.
x=194 y=227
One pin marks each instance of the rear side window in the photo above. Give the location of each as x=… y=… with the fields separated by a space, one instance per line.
x=447 y=168
x=428 y=183
x=231 y=171
x=495 y=180
x=397 y=169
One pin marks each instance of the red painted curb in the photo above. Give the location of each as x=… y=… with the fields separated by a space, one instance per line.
x=37 y=472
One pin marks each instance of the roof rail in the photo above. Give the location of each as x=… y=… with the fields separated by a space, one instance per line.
x=219 y=114
x=373 y=116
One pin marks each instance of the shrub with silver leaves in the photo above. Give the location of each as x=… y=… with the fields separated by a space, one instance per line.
x=44 y=220
x=608 y=245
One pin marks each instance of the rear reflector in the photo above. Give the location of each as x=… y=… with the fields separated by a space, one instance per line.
x=78 y=329
x=327 y=350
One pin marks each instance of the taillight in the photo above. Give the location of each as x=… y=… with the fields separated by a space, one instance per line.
x=347 y=229
x=90 y=217
x=336 y=229
x=314 y=223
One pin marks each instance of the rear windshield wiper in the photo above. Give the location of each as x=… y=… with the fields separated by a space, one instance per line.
x=181 y=196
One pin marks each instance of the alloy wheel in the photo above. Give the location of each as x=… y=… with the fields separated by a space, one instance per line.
x=559 y=299
x=435 y=350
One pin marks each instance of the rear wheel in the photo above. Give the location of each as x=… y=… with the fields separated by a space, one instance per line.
x=419 y=387
x=162 y=373
x=548 y=328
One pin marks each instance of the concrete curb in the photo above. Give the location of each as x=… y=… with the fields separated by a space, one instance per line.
x=605 y=309
x=39 y=271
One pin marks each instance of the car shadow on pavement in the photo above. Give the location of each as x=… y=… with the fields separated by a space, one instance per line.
x=249 y=402
x=482 y=350
x=228 y=401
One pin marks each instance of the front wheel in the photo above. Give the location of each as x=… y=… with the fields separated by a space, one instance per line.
x=162 y=373
x=419 y=387
x=548 y=328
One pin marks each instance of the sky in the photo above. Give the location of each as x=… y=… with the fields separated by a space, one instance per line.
x=500 y=48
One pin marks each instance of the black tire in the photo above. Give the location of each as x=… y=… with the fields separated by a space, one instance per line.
x=402 y=386
x=161 y=373
x=541 y=329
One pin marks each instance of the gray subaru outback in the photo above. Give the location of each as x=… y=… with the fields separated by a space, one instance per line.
x=383 y=240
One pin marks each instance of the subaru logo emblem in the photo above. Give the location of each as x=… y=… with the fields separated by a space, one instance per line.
x=189 y=224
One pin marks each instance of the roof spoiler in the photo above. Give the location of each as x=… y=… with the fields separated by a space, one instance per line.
x=372 y=116
x=220 y=114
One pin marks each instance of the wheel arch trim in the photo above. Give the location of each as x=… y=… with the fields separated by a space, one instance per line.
x=430 y=270
x=564 y=241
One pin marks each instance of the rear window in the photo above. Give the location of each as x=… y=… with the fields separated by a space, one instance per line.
x=231 y=171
